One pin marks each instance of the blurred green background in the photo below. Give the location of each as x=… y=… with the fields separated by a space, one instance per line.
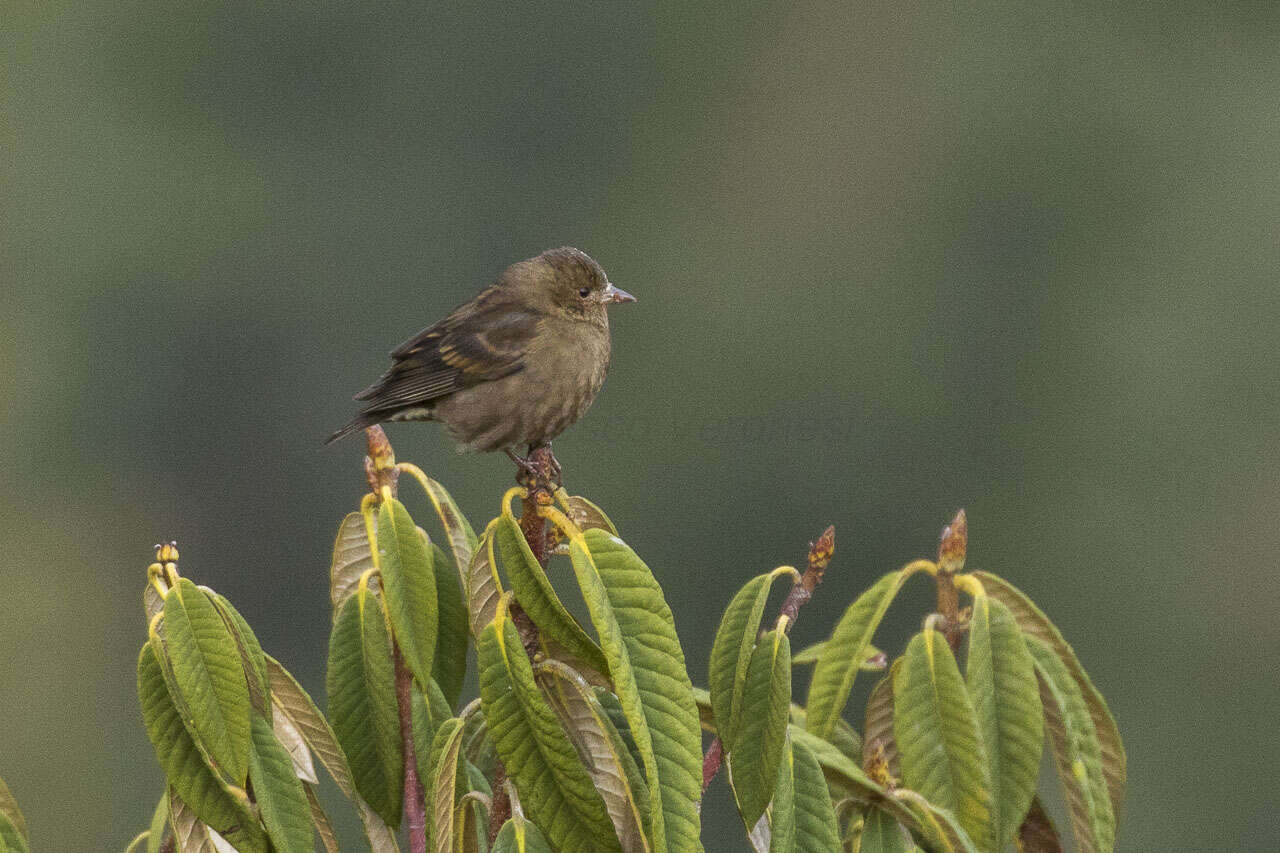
x=890 y=262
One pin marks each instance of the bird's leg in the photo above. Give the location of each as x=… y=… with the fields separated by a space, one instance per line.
x=548 y=467
x=527 y=475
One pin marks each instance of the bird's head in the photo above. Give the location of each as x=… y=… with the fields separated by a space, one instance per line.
x=568 y=282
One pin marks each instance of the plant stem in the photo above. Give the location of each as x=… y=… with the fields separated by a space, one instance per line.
x=380 y=469
x=820 y=553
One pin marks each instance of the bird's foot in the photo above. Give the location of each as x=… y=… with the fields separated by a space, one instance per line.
x=539 y=469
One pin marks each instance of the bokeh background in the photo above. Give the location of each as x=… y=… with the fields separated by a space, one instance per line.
x=890 y=262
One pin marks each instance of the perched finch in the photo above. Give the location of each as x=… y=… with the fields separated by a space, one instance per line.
x=514 y=367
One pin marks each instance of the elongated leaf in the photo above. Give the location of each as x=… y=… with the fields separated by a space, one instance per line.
x=536 y=595
x=602 y=750
x=731 y=651
x=209 y=675
x=842 y=773
x=1037 y=833
x=815 y=819
x=940 y=749
x=324 y=828
x=10 y=812
x=457 y=530
x=293 y=703
x=846 y=650
x=1076 y=750
x=442 y=784
x=878 y=729
x=291 y=739
x=1035 y=624
x=279 y=793
x=362 y=703
x=212 y=799
x=647 y=665
x=428 y=709
x=558 y=791
x=520 y=836
x=159 y=824
x=352 y=557
x=251 y=655
x=882 y=834
x=588 y=516
x=938 y=827
x=781 y=815
x=11 y=840
x=483 y=587
x=1001 y=679
x=449 y=667
x=191 y=835
x=843 y=738
x=808 y=656
x=408 y=586
x=753 y=763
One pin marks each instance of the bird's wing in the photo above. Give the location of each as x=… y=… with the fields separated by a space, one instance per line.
x=483 y=340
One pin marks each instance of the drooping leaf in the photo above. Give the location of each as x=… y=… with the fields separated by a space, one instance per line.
x=251 y=656
x=1001 y=680
x=11 y=814
x=588 y=516
x=192 y=835
x=808 y=656
x=159 y=824
x=1035 y=624
x=428 y=709
x=938 y=827
x=940 y=749
x=449 y=668
x=882 y=834
x=1076 y=751
x=731 y=651
x=558 y=791
x=602 y=750
x=483 y=586
x=457 y=530
x=520 y=836
x=279 y=793
x=293 y=703
x=536 y=595
x=362 y=703
x=409 y=587
x=352 y=557
x=637 y=634
x=442 y=784
x=816 y=828
x=11 y=840
x=781 y=814
x=1037 y=834
x=844 y=738
x=291 y=739
x=753 y=763
x=843 y=774
x=846 y=650
x=209 y=676
x=324 y=828
x=213 y=800
x=878 y=728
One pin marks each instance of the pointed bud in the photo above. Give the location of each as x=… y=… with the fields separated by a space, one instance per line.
x=954 y=543
x=380 y=465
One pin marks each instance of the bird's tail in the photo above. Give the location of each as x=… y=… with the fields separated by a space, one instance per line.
x=359 y=423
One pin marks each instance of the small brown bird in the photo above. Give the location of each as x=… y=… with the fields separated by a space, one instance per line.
x=515 y=366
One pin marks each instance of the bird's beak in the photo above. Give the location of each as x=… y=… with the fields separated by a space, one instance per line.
x=617 y=294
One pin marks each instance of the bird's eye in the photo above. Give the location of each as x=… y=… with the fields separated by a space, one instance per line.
x=584 y=292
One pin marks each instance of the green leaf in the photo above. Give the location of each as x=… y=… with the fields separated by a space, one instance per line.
x=588 y=516
x=442 y=784
x=213 y=800
x=1035 y=624
x=638 y=636
x=881 y=833
x=520 y=836
x=159 y=823
x=815 y=819
x=449 y=669
x=938 y=827
x=781 y=815
x=940 y=749
x=457 y=530
x=279 y=793
x=192 y=835
x=1001 y=680
x=809 y=655
x=1076 y=750
x=428 y=709
x=209 y=676
x=352 y=557
x=846 y=650
x=842 y=773
x=362 y=703
x=602 y=750
x=843 y=738
x=753 y=763
x=731 y=651
x=534 y=748
x=293 y=703
x=536 y=595
x=11 y=840
x=409 y=587
x=251 y=656
x=10 y=812
x=878 y=728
